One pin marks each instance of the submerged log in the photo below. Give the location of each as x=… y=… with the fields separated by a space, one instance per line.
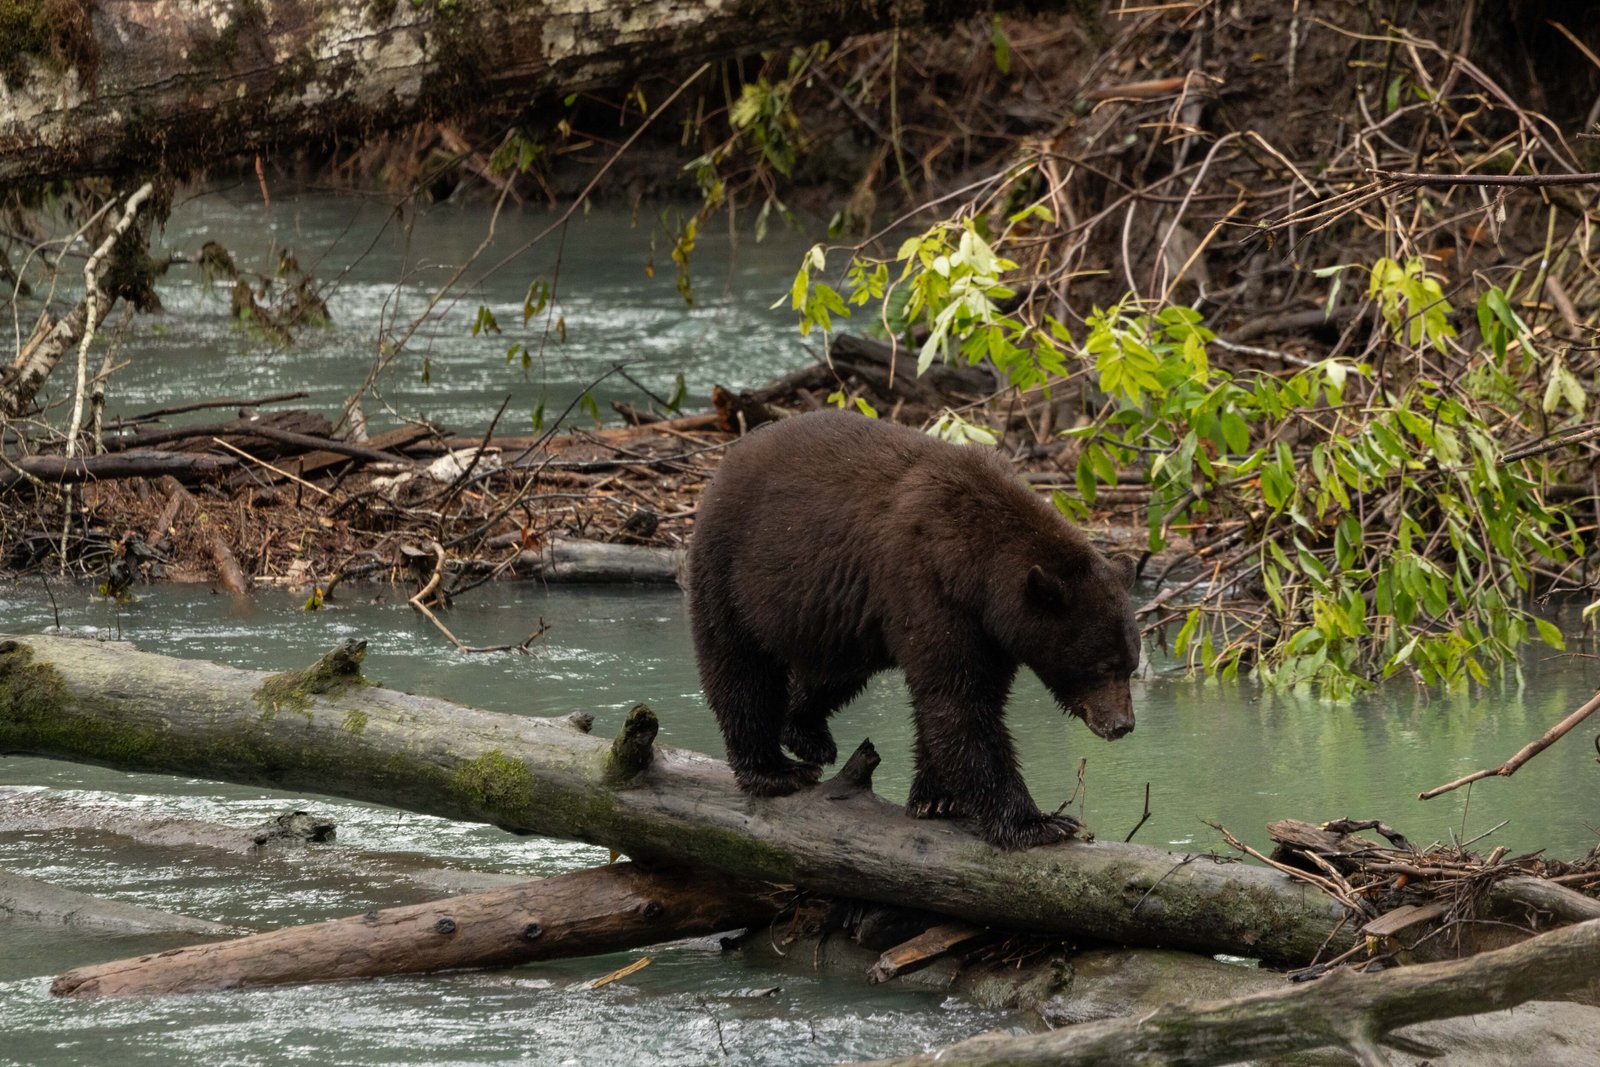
x=22 y=897
x=335 y=733
x=584 y=913
x=1356 y=1011
x=120 y=84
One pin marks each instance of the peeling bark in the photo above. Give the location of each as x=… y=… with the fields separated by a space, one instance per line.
x=167 y=85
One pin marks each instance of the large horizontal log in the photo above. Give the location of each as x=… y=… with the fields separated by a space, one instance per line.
x=125 y=84
x=134 y=463
x=584 y=913
x=1349 y=1009
x=328 y=731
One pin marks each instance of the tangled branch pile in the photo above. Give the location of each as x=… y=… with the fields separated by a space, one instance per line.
x=1389 y=486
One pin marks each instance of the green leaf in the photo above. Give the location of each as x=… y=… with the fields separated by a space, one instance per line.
x=1002 y=47
x=1550 y=634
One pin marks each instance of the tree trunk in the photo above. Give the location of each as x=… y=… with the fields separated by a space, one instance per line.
x=126 y=85
x=329 y=731
x=1356 y=1011
x=584 y=913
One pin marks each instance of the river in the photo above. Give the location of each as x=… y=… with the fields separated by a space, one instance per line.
x=1228 y=754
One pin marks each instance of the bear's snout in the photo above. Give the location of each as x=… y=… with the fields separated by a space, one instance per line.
x=1107 y=710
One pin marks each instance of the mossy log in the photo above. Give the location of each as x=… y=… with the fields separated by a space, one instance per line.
x=1357 y=1011
x=332 y=732
x=122 y=85
x=584 y=913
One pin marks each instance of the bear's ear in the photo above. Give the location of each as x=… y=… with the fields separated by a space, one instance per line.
x=1045 y=589
x=1127 y=568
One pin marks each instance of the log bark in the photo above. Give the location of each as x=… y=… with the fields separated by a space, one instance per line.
x=134 y=463
x=1356 y=1011
x=584 y=913
x=331 y=732
x=133 y=85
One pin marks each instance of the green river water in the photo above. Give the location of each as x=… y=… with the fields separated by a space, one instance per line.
x=1230 y=754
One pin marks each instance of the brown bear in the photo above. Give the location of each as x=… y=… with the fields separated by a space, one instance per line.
x=830 y=547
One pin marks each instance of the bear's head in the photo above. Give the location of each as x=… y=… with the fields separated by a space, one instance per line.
x=1075 y=629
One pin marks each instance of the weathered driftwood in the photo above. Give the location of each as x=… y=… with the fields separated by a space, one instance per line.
x=564 y=559
x=136 y=84
x=1062 y=990
x=327 y=730
x=22 y=897
x=1357 y=1011
x=584 y=913
x=134 y=463
x=397 y=877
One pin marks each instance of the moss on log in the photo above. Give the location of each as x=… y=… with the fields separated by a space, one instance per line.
x=110 y=704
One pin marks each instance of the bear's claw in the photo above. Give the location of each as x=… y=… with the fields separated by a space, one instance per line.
x=937 y=808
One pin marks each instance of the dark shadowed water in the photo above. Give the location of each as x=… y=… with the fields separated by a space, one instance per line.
x=1226 y=754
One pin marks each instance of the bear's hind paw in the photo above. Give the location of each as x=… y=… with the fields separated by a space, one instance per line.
x=780 y=781
x=1039 y=830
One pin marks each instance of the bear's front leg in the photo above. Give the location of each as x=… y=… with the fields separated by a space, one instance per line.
x=966 y=763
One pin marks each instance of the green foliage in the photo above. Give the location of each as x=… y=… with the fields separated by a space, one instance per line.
x=1393 y=537
x=949 y=282
x=1364 y=522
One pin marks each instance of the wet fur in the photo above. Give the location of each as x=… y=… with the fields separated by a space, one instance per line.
x=830 y=547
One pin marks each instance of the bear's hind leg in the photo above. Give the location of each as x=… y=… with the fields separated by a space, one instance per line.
x=811 y=702
x=748 y=690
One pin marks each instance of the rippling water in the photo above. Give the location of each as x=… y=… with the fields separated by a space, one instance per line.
x=1228 y=754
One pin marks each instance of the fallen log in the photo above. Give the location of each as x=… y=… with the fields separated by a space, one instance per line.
x=229 y=573
x=22 y=897
x=1359 y=1012
x=604 y=909
x=134 y=463
x=1064 y=989
x=565 y=559
x=211 y=81
x=327 y=730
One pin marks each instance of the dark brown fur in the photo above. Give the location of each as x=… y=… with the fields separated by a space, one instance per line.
x=831 y=546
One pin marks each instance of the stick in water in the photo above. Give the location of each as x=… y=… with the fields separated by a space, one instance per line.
x=1530 y=750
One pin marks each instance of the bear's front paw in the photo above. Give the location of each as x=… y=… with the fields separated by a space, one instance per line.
x=778 y=781
x=1035 y=830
